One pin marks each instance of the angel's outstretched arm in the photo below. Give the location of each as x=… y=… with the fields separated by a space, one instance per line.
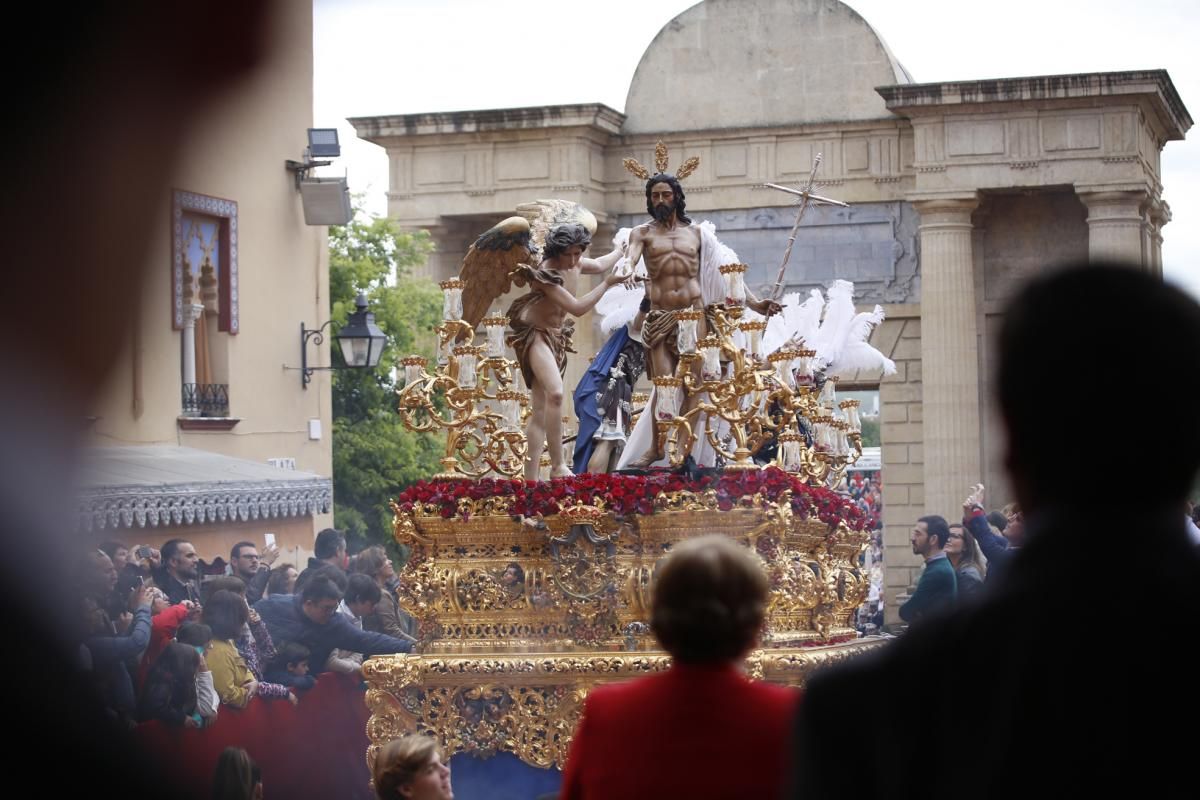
x=595 y=266
x=578 y=306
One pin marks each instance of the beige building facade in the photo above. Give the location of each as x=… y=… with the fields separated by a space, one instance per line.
x=205 y=431
x=959 y=191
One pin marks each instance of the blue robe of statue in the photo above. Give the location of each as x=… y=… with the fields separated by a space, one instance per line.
x=591 y=384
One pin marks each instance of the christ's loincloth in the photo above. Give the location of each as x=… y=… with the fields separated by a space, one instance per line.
x=661 y=327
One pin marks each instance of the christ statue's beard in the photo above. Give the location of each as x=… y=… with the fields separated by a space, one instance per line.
x=663 y=212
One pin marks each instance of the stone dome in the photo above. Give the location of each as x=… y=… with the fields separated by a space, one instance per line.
x=751 y=63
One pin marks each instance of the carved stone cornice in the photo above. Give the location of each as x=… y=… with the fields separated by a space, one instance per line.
x=1152 y=89
x=389 y=127
x=111 y=507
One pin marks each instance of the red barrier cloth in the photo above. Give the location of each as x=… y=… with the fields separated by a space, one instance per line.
x=316 y=749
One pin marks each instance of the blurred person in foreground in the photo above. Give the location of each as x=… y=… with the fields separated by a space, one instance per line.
x=115 y=89
x=701 y=729
x=411 y=767
x=1053 y=711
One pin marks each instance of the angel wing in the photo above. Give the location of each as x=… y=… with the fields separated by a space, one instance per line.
x=545 y=214
x=487 y=266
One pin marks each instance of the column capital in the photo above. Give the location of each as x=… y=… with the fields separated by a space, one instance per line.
x=945 y=209
x=1160 y=212
x=1109 y=196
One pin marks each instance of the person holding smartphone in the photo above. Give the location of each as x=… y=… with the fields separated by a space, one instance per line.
x=998 y=550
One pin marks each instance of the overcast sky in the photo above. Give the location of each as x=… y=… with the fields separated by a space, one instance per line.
x=406 y=56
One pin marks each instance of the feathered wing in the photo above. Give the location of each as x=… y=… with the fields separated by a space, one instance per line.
x=545 y=214
x=856 y=353
x=839 y=314
x=808 y=318
x=487 y=266
x=781 y=326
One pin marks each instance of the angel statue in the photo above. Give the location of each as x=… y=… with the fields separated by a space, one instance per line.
x=535 y=250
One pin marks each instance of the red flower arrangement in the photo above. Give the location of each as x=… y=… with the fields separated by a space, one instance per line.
x=634 y=494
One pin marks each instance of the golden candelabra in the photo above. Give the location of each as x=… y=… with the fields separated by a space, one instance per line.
x=483 y=426
x=727 y=393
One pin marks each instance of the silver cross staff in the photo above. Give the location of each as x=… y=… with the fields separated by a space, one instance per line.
x=806 y=195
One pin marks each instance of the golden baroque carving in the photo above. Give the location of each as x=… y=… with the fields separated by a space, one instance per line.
x=530 y=705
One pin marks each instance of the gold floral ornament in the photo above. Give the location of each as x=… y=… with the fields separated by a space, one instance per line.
x=661 y=164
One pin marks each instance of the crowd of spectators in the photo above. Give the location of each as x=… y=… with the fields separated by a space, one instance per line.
x=162 y=640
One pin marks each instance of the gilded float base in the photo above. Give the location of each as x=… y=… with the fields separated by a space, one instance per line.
x=528 y=704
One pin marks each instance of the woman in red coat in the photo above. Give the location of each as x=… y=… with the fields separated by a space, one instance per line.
x=701 y=729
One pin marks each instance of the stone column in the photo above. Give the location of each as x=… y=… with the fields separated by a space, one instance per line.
x=949 y=352
x=191 y=313
x=1115 y=226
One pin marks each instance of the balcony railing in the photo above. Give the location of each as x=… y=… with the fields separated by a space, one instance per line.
x=205 y=400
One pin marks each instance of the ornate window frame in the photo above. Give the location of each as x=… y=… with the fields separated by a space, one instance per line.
x=227 y=212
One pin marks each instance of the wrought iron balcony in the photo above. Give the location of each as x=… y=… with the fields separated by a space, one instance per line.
x=205 y=400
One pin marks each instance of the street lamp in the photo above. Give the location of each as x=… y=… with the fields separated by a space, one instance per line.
x=360 y=339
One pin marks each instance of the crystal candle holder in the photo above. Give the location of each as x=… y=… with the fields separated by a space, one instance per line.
x=753 y=331
x=735 y=284
x=510 y=409
x=452 y=307
x=710 y=352
x=687 y=320
x=495 y=325
x=803 y=367
x=850 y=409
x=414 y=367
x=666 y=404
x=782 y=361
x=828 y=396
x=467 y=356
x=790 y=451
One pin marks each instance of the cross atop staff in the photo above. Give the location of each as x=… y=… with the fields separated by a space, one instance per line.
x=806 y=196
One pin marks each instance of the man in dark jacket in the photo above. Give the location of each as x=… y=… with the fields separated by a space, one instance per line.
x=1053 y=710
x=329 y=549
x=179 y=576
x=310 y=618
x=938 y=587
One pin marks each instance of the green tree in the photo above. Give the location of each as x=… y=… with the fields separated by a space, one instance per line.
x=870 y=432
x=374 y=456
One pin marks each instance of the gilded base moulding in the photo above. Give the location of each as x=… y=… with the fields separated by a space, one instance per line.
x=529 y=704
x=521 y=612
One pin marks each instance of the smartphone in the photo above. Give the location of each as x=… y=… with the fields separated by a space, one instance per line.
x=138 y=580
x=144 y=551
x=270 y=537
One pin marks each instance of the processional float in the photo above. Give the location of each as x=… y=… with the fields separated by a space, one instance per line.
x=527 y=594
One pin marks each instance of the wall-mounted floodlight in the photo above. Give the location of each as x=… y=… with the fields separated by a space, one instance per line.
x=326 y=200
x=323 y=143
